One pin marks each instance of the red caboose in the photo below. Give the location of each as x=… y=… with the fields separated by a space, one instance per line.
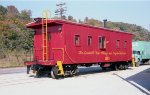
x=60 y=46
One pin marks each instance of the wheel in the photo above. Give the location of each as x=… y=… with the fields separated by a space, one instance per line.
x=126 y=66
x=104 y=68
x=149 y=62
x=122 y=66
x=28 y=69
x=77 y=72
x=39 y=73
x=54 y=73
x=138 y=63
x=116 y=67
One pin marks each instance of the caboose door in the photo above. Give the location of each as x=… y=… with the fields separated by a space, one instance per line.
x=50 y=53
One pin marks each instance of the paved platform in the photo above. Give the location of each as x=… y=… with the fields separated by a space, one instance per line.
x=91 y=81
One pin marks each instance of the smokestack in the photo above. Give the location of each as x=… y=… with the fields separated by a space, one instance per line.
x=105 y=23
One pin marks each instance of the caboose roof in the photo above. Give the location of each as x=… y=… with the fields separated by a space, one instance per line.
x=38 y=23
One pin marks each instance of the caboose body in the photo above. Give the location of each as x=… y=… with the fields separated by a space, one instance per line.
x=63 y=45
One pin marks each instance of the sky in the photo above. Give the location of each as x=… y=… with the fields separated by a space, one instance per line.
x=128 y=11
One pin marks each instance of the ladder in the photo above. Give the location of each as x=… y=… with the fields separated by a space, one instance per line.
x=45 y=35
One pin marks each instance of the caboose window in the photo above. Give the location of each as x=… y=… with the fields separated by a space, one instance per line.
x=125 y=44
x=77 y=38
x=99 y=42
x=89 y=40
x=117 y=43
x=102 y=42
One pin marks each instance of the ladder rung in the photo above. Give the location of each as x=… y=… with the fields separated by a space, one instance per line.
x=45 y=40
x=44 y=25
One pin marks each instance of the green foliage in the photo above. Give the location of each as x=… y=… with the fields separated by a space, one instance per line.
x=138 y=32
x=70 y=18
x=64 y=17
x=26 y=14
x=12 y=10
x=15 y=36
x=3 y=10
x=92 y=22
x=13 y=33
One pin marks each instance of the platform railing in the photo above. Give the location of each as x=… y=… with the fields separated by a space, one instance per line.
x=29 y=55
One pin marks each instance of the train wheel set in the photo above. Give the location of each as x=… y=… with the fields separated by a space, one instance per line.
x=61 y=71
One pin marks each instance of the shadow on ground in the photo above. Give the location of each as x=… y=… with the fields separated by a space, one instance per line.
x=142 y=78
x=92 y=70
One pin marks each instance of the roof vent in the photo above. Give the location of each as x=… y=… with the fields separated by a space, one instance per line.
x=105 y=23
x=37 y=20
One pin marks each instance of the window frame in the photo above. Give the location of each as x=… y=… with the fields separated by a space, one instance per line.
x=117 y=43
x=89 y=40
x=101 y=42
x=78 y=41
x=125 y=44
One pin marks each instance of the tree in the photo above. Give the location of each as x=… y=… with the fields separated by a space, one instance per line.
x=12 y=10
x=26 y=14
x=3 y=10
x=80 y=21
x=139 y=28
x=70 y=18
x=64 y=17
x=122 y=27
x=92 y=22
x=86 y=19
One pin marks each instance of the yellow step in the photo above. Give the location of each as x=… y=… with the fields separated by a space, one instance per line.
x=60 y=67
